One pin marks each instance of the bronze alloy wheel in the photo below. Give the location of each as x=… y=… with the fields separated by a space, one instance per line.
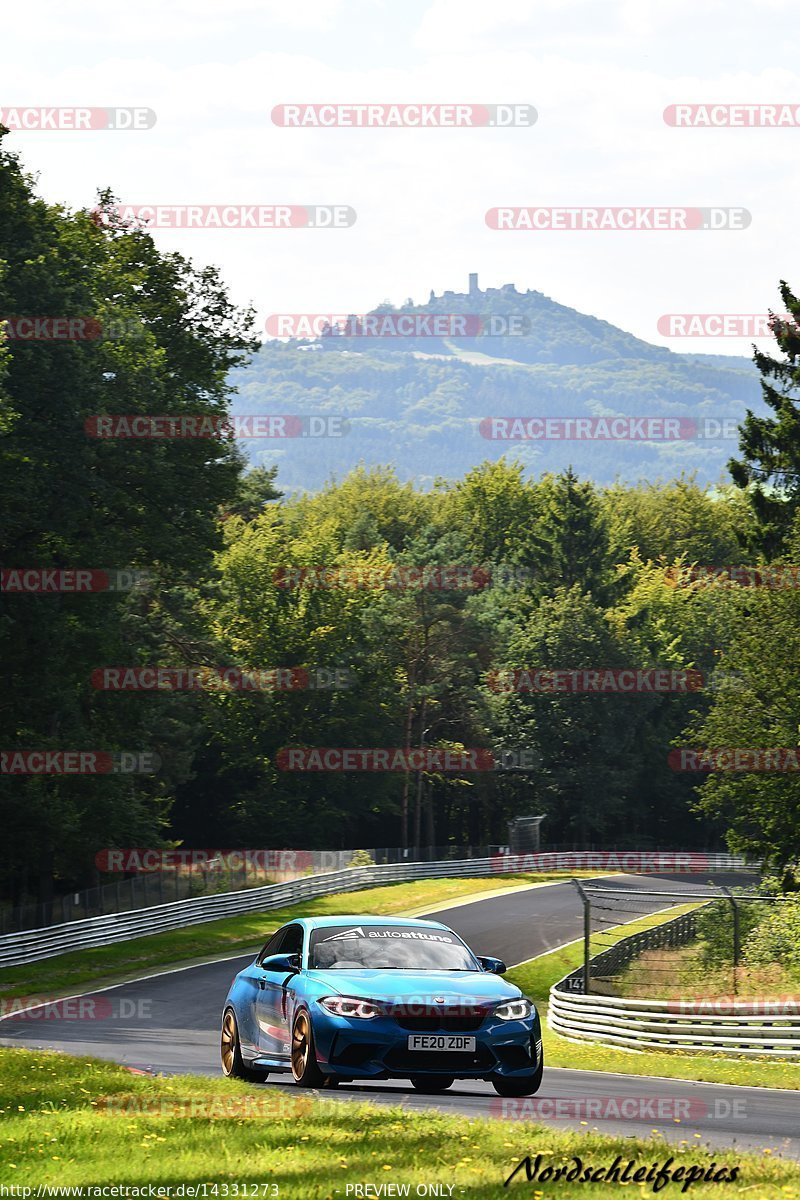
x=230 y=1052
x=301 y=1045
x=229 y=1043
x=304 y=1060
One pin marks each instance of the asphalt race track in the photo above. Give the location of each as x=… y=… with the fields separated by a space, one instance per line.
x=169 y=1023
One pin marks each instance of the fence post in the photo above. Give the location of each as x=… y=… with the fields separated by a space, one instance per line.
x=587 y=932
x=736 y=938
x=737 y=945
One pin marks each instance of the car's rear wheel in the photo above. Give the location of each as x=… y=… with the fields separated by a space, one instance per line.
x=304 y=1058
x=432 y=1083
x=519 y=1085
x=230 y=1052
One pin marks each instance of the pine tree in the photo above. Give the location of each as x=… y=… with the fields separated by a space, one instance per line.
x=770 y=446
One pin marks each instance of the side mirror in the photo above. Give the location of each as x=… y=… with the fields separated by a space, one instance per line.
x=495 y=965
x=283 y=964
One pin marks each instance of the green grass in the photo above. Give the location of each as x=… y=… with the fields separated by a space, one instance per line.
x=673 y=974
x=69 y=1121
x=105 y=964
x=537 y=976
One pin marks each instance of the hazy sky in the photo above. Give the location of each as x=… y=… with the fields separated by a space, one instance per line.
x=599 y=75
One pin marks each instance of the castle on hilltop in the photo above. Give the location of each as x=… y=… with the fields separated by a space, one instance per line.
x=474 y=291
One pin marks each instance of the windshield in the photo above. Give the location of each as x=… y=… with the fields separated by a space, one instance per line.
x=388 y=947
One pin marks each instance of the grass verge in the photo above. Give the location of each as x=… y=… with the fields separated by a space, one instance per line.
x=537 y=976
x=81 y=1122
x=126 y=960
x=672 y=974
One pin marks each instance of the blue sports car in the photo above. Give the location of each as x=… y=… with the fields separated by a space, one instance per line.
x=336 y=999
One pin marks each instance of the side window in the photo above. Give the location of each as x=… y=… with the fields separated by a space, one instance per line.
x=293 y=940
x=272 y=946
x=288 y=940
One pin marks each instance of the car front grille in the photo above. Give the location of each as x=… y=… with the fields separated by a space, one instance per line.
x=438 y=1020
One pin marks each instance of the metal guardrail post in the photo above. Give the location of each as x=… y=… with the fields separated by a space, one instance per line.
x=587 y=933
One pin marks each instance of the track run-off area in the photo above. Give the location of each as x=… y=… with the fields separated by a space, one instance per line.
x=168 y=1023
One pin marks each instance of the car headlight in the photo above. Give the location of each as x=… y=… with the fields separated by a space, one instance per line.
x=514 y=1010
x=350 y=1006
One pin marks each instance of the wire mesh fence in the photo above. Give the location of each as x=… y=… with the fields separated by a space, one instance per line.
x=687 y=942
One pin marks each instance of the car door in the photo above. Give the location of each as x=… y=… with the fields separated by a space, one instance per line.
x=272 y=998
x=246 y=993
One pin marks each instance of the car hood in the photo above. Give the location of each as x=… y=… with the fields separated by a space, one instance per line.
x=418 y=987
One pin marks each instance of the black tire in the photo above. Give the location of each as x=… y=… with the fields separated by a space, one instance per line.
x=233 y=1065
x=519 y=1085
x=432 y=1083
x=305 y=1070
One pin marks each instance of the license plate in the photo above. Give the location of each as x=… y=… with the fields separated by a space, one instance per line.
x=440 y=1041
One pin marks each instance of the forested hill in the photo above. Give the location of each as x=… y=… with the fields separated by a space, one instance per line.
x=419 y=401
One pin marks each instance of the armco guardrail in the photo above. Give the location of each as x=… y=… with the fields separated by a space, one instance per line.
x=31 y=945
x=755 y=1029
x=34 y=944
x=156 y=876
x=655 y=1025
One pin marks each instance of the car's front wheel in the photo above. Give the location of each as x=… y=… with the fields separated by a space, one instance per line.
x=230 y=1052
x=304 y=1057
x=432 y=1083
x=519 y=1085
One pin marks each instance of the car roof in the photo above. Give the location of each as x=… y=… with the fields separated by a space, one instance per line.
x=360 y=919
